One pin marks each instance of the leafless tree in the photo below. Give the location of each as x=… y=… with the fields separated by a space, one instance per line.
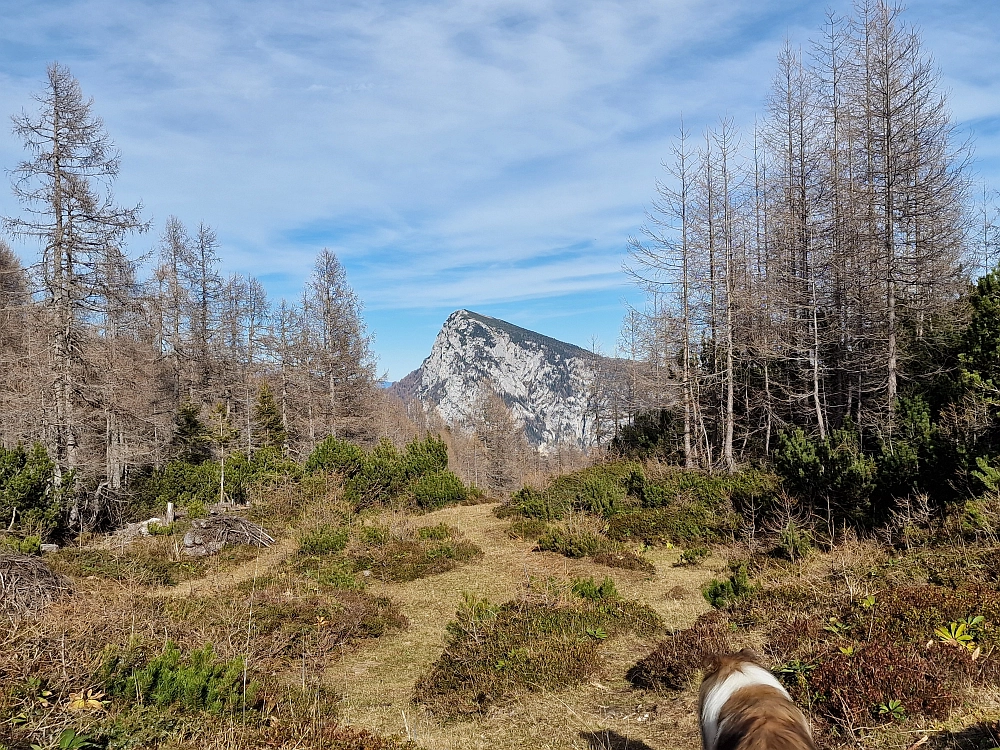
x=66 y=208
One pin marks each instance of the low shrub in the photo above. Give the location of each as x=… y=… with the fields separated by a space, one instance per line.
x=851 y=688
x=913 y=613
x=417 y=475
x=676 y=660
x=684 y=523
x=440 y=532
x=143 y=567
x=191 y=682
x=693 y=556
x=427 y=551
x=194 y=486
x=323 y=539
x=438 y=489
x=721 y=594
x=423 y=457
x=587 y=588
x=605 y=490
x=910 y=651
x=333 y=573
x=495 y=652
x=321 y=623
x=836 y=470
x=527 y=528
x=794 y=542
x=718 y=492
x=29 y=545
x=572 y=542
x=624 y=559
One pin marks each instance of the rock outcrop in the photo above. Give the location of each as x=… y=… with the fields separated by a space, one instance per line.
x=544 y=382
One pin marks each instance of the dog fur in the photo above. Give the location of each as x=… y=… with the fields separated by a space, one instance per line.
x=742 y=706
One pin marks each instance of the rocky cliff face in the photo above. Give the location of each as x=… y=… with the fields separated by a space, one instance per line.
x=544 y=382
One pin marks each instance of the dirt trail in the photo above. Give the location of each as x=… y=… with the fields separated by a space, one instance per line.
x=377 y=680
x=221 y=580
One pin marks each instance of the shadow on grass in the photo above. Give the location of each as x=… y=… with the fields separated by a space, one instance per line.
x=608 y=740
x=982 y=736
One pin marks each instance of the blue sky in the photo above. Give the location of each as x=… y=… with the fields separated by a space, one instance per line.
x=488 y=155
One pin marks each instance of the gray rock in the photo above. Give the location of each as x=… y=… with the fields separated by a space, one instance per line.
x=545 y=382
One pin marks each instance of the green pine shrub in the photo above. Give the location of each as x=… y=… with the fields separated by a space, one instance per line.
x=578 y=542
x=417 y=475
x=422 y=457
x=29 y=545
x=794 y=542
x=438 y=489
x=324 y=539
x=693 y=556
x=683 y=523
x=605 y=490
x=722 y=593
x=334 y=455
x=29 y=502
x=587 y=588
x=196 y=681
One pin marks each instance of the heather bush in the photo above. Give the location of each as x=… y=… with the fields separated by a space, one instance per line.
x=624 y=559
x=495 y=652
x=423 y=552
x=323 y=539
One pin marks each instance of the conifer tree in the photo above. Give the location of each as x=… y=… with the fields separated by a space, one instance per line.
x=190 y=434
x=268 y=420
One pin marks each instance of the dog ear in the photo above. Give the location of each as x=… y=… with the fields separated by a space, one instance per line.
x=751 y=655
x=711 y=662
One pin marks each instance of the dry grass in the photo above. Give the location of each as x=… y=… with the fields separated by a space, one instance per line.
x=339 y=668
x=377 y=680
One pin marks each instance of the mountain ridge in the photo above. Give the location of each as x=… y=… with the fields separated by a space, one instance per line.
x=544 y=381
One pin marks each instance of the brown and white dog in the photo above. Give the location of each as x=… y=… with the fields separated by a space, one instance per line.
x=742 y=706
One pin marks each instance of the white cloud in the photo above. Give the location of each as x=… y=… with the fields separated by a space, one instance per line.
x=439 y=147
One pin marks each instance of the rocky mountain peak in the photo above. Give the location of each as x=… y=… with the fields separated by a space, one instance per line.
x=545 y=382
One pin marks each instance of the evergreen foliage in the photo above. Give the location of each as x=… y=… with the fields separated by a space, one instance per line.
x=191 y=439
x=419 y=473
x=334 y=455
x=197 y=681
x=29 y=499
x=437 y=489
x=270 y=425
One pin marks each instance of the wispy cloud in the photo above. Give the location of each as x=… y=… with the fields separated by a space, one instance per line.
x=454 y=153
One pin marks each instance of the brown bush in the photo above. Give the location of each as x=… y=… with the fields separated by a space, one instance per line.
x=495 y=652
x=626 y=560
x=676 y=661
x=849 y=689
